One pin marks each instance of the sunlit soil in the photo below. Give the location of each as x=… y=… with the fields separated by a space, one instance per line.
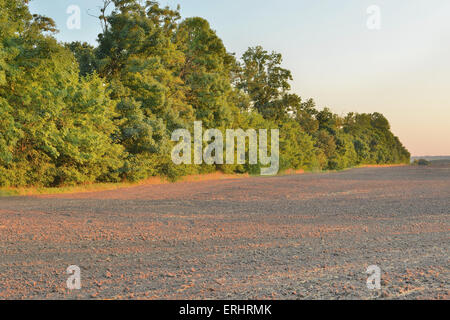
x=307 y=236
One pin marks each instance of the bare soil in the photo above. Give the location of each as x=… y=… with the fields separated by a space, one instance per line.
x=309 y=236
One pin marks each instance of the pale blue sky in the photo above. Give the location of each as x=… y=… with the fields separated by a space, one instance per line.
x=402 y=70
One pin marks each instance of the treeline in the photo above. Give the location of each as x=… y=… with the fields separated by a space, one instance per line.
x=73 y=113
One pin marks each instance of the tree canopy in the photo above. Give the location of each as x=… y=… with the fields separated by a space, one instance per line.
x=73 y=113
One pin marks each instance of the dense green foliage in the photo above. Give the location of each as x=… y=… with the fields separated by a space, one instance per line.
x=421 y=162
x=74 y=113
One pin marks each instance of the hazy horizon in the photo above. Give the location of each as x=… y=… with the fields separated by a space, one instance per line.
x=400 y=70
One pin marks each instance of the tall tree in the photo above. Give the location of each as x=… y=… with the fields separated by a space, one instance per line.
x=139 y=59
x=207 y=72
x=267 y=84
x=58 y=128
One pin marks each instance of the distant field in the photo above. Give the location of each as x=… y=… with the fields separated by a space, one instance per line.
x=434 y=161
x=304 y=236
x=432 y=158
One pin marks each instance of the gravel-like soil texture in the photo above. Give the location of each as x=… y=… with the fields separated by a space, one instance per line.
x=309 y=236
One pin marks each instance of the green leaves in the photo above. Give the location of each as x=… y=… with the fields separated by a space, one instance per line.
x=206 y=72
x=267 y=84
x=75 y=113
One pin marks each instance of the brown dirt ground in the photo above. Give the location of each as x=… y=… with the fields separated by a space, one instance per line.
x=308 y=236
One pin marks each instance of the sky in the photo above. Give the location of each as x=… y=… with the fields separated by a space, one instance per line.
x=401 y=69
